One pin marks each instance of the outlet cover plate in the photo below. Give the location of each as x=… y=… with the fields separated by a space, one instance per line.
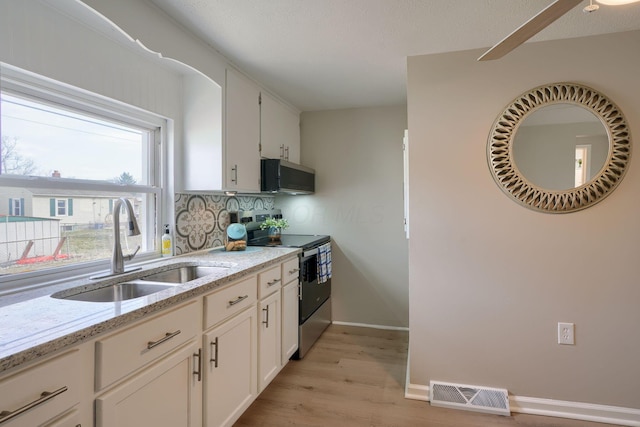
x=566 y=333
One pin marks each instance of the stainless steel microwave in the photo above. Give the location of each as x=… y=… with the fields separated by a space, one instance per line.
x=279 y=176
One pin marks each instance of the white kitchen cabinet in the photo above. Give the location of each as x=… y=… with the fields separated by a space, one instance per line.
x=230 y=301
x=230 y=369
x=242 y=133
x=290 y=306
x=166 y=394
x=279 y=130
x=269 y=281
x=41 y=394
x=218 y=157
x=289 y=320
x=127 y=350
x=269 y=336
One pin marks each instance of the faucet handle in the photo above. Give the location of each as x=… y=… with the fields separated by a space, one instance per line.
x=130 y=257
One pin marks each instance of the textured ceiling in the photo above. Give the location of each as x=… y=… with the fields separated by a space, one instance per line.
x=326 y=54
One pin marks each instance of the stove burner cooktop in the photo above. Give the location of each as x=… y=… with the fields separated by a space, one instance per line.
x=304 y=241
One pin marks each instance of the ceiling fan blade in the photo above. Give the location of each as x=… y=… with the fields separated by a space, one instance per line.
x=530 y=28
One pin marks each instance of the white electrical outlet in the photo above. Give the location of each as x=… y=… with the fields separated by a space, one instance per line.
x=566 y=333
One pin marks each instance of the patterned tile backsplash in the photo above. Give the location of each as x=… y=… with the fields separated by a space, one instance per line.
x=202 y=219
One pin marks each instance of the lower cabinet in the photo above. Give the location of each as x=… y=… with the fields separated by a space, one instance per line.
x=230 y=369
x=269 y=344
x=42 y=394
x=289 y=320
x=197 y=364
x=166 y=394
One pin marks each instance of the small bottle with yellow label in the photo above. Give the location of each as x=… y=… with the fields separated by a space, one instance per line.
x=167 y=244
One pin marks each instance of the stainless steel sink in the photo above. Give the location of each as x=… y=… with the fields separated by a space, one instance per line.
x=184 y=274
x=116 y=292
x=143 y=285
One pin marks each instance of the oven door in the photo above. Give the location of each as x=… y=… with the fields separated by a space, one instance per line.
x=312 y=294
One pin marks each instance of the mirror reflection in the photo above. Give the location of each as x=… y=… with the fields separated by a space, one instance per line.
x=560 y=146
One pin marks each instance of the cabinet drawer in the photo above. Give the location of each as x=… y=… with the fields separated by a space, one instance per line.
x=290 y=270
x=124 y=352
x=269 y=281
x=42 y=392
x=229 y=301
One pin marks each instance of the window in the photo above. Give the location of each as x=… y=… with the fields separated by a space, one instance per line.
x=65 y=157
x=62 y=207
x=15 y=207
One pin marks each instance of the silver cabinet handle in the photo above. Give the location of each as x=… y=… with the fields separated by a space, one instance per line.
x=44 y=396
x=167 y=337
x=295 y=270
x=237 y=300
x=266 y=322
x=214 y=352
x=235 y=174
x=198 y=367
x=286 y=153
x=282 y=151
x=300 y=291
x=273 y=282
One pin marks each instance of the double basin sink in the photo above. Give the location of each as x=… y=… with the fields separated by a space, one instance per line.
x=147 y=284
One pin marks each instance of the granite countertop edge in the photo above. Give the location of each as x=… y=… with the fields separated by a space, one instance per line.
x=67 y=330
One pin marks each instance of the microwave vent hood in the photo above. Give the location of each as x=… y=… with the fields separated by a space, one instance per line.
x=279 y=176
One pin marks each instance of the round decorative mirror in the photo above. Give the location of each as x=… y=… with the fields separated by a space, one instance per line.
x=559 y=148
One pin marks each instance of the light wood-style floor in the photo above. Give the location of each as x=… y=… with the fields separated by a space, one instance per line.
x=354 y=377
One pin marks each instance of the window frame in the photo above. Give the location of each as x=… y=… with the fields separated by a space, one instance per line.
x=17 y=205
x=25 y=84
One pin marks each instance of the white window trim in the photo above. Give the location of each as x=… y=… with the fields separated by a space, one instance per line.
x=16 y=203
x=24 y=83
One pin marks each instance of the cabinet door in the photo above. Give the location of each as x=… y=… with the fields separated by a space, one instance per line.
x=292 y=130
x=167 y=394
x=269 y=344
x=279 y=130
x=230 y=369
x=242 y=133
x=289 y=320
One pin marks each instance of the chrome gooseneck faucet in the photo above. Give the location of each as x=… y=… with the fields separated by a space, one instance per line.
x=117 y=259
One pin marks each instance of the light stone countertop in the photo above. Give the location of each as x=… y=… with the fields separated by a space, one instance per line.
x=37 y=327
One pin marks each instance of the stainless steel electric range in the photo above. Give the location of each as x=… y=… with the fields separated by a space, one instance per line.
x=315 y=297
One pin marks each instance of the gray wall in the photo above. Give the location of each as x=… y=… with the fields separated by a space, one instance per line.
x=490 y=279
x=357 y=155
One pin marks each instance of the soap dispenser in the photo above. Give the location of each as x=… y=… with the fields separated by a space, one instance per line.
x=167 y=244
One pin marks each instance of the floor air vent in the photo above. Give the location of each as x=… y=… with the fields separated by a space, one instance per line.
x=468 y=397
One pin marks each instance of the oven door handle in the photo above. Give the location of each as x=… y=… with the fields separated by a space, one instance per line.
x=310 y=253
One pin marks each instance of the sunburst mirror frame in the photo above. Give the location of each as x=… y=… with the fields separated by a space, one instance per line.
x=514 y=184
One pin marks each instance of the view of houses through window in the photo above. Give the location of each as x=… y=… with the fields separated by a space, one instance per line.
x=61 y=171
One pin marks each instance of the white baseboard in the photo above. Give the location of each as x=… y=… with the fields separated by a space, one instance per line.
x=366 y=325
x=576 y=410
x=416 y=391
x=553 y=408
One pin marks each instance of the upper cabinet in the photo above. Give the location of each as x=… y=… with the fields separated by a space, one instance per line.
x=225 y=135
x=217 y=157
x=242 y=108
x=279 y=130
